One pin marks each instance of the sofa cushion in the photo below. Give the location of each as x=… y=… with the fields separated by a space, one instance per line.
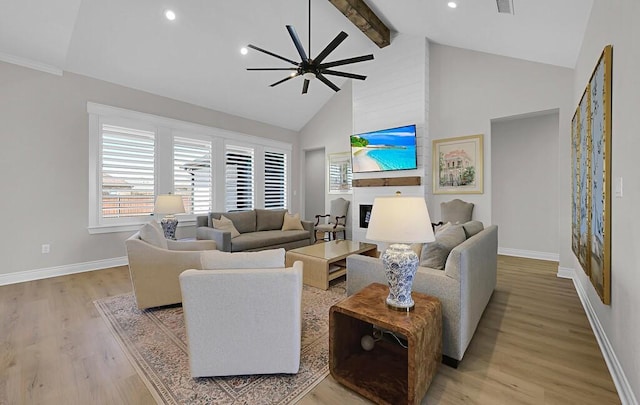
x=257 y=240
x=269 y=220
x=153 y=234
x=268 y=259
x=225 y=224
x=292 y=223
x=472 y=227
x=434 y=254
x=244 y=221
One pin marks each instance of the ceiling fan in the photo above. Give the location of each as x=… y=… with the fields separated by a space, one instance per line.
x=314 y=68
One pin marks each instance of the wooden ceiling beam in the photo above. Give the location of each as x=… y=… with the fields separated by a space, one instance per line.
x=365 y=19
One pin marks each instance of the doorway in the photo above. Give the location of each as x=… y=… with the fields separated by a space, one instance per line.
x=314 y=183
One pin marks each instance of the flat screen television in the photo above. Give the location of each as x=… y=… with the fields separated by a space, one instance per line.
x=384 y=150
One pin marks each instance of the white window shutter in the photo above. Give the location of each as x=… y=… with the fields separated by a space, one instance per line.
x=239 y=178
x=275 y=180
x=127 y=164
x=192 y=174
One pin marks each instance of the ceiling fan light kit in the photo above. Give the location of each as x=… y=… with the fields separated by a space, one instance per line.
x=310 y=68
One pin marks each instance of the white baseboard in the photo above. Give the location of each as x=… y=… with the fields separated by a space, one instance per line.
x=565 y=272
x=37 y=274
x=625 y=392
x=529 y=254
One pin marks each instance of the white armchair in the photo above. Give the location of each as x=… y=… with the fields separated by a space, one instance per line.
x=243 y=321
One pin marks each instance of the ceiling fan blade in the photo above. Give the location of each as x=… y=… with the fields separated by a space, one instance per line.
x=305 y=86
x=272 y=54
x=345 y=61
x=283 y=80
x=297 y=43
x=292 y=68
x=327 y=82
x=332 y=45
x=343 y=74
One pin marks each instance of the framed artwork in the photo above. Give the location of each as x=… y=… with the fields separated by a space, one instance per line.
x=591 y=178
x=340 y=174
x=457 y=165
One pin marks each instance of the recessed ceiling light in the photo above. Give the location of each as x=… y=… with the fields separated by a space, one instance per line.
x=244 y=50
x=452 y=4
x=170 y=15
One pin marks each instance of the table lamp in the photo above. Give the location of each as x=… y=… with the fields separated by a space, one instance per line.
x=169 y=204
x=400 y=221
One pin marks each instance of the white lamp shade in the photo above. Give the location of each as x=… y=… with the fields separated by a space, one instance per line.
x=400 y=219
x=169 y=204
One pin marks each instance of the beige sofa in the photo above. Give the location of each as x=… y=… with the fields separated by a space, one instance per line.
x=155 y=270
x=464 y=287
x=259 y=229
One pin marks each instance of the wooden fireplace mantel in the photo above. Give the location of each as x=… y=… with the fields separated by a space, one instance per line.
x=388 y=181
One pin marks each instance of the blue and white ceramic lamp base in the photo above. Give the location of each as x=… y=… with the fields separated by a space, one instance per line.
x=169 y=225
x=400 y=265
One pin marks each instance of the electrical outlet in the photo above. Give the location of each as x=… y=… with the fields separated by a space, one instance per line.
x=46 y=248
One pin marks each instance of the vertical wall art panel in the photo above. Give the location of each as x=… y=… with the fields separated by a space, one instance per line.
x=600 y=224
x=575 y=181
x=584 y=179
x=591 y=171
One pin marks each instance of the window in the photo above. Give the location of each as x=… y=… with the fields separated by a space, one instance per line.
x=275 y=180
x=239 y=178
x=128 y=172
x=340 y=174
x=192 y=174
x=134 y=156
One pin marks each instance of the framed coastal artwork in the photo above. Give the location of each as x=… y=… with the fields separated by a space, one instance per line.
x=591 y=178
x=340 y=174
x=457 y=165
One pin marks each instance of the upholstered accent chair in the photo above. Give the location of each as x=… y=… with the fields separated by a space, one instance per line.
x=243 y=321
x=335 y=220
x=155 y=264
x=456 y=211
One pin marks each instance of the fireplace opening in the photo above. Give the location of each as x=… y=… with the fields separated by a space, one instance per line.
x=365 y=215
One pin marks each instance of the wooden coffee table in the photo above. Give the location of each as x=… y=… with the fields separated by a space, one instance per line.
x=324 y=262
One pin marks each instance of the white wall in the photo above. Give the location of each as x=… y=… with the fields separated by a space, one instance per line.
x=469 y=89
x=524 y=174
x=394 y=94
x=44 y=163
x=615 y=22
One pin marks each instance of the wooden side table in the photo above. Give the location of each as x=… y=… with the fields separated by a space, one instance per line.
x=389 y=373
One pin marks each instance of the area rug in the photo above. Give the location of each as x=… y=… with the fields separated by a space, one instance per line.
x=155 y=343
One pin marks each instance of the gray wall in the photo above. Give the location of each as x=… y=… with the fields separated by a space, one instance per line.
x=470 y=89
x=524 y=174
x=44 y=163
x=615 y=22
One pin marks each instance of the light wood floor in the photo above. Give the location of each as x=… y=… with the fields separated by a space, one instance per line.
x=534 y=345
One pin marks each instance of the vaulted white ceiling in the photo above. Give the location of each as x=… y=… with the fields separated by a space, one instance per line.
x=196 y=58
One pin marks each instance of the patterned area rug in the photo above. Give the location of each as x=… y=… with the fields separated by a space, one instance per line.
x=155 y=342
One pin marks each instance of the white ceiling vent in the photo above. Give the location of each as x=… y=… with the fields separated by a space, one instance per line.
x=505 y=6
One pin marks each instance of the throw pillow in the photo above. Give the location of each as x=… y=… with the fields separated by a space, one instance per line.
x=434 y=254
x=153 y=234
x=216 y=260
x=472 y=227
x=441 y=228
x=225 y=224
x=292 y=223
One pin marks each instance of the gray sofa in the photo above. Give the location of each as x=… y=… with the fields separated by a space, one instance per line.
x=464 y=286
x=259 y=229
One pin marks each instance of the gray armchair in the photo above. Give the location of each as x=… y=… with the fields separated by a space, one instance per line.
x=456 y=211
x=335 y=220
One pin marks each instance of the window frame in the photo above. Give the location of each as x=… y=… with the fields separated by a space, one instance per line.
x=166 y=129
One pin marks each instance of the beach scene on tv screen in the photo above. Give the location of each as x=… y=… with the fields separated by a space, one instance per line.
x=389 y=149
